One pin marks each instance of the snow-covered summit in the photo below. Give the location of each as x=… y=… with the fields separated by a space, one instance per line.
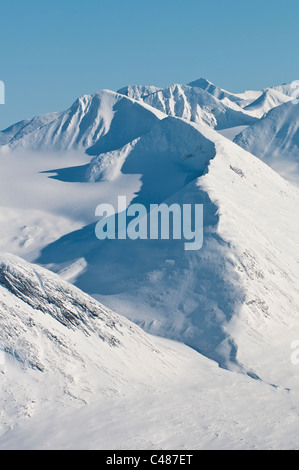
x=270 y=99
x=97 y=122
x=214 y=90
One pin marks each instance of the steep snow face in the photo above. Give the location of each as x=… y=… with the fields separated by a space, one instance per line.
x=229 y=300
x=268 y=100
x=49 y=326
x=96 y=122
x=197 y=105
x=275 y=139
x=61 y=350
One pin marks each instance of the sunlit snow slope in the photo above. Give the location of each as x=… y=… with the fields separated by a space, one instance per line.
x=75 y=375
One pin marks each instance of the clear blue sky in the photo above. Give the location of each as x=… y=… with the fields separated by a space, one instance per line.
x=52 y=52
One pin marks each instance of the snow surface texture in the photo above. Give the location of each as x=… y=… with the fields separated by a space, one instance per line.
x=77 y=376
x=235 y=302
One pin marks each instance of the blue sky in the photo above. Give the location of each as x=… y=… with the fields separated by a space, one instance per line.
x=53 y=52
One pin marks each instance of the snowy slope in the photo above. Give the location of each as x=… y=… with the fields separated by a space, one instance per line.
x=75 y=343
x=197 y=105
x=275 y=139
x=75 y=375
x=96 y=122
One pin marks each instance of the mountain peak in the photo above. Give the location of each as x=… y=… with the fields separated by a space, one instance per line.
x=97 y=121
x=200 y=82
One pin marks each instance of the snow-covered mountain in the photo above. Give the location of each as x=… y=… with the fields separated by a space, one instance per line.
x=193 y=104
x=96 y=122
x=49 y=325
x=241 y=99
x=268 y=100
x=224 y=299
x=205 y=103
x=99 y=123
x=275 y=139
x=214 y=90
x=235 y=301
